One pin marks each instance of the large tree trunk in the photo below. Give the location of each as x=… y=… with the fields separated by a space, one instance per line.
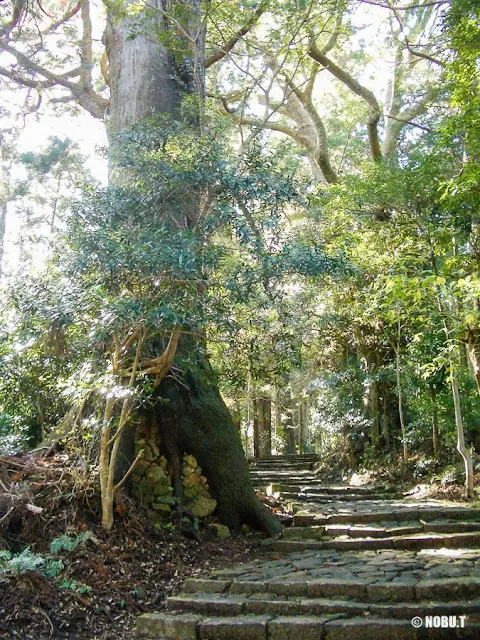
x=193 y=418
x=146 y=80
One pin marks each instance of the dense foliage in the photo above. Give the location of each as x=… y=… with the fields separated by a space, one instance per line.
x=324 y=240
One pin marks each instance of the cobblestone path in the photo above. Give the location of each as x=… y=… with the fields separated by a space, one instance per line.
x=359 y=563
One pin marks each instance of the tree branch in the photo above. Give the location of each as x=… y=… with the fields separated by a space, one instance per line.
x=228 y=46
x=94 y=103
x=434 y=3
x=65 y=18
x=359 y=90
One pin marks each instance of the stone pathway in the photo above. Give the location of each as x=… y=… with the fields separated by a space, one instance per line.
x=359 y=563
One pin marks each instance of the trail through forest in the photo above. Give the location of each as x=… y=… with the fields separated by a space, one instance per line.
x=358 y=562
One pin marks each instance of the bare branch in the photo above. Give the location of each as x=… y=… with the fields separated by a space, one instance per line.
x=359 y=90
x=17 y=13
x=94 y=103
x=412 y=124
x=228 y=46
x=434 y=3
x=65 y=18
x=122 y=482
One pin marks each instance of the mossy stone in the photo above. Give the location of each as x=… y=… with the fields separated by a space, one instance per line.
x=161 y=506
x=201 y=507
x=154 y=474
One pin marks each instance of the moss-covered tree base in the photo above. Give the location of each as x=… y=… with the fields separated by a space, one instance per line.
x=192 y=418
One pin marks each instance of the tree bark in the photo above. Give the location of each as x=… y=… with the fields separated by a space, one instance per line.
x=146 y=80
x=435 y=438
x=256 y=429
x=400 y=396
x=266 y=439
x=463 y=450
x=277 y=409
x=3 y=226
x=192 y=415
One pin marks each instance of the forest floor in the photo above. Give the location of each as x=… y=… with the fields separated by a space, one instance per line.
x=108 y=580
x=111 y=578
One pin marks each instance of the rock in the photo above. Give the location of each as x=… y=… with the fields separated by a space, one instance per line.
x=223 y=531
x=187 y=470
x=168 y=626
x=162 y=489
x=139 y=445
x=190 y=461
x=163 y=462
x=161 y=506
x=146 y=485
x=171 y=500
x=202 y=507
x=190 y=480
x=155 y=449
x=142 y=466
x=154 y=474
x=148 y=453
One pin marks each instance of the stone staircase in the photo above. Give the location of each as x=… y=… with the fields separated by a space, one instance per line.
x=358 y=562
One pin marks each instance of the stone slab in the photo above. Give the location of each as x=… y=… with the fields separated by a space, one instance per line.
x=325 y=588
x=447 y=588
x=390 y=592
x=208 y=604
x=198 y=585
x=297 y=628
x=167 y=627
x=238 y=628
x=370 y=629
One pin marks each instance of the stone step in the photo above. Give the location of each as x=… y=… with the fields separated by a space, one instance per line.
x=388 y=530
x=406 y=542
x=353 y=592
x=285 y=468
x=326 y=627
x=319 y=496
x=275 y=462
x=398 y=512
x=269 y=604
x=317 y=485
x=283 y=472
x=288 y=457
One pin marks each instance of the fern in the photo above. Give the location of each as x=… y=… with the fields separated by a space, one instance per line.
x=4 y=556
x=24 y=562
x=68 y=542
x=55 y=567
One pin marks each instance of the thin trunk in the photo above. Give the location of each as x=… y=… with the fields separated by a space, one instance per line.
x=266 y=437
x=435 y=439
x=374 y=413
x=277 y=411
x=249 y=412
x=461 y=447
x=256 y=428
x=301 y=443
x=3 y=226
x=473 y=354
x=289 y=422
x=385 y=421
x=400 y=399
